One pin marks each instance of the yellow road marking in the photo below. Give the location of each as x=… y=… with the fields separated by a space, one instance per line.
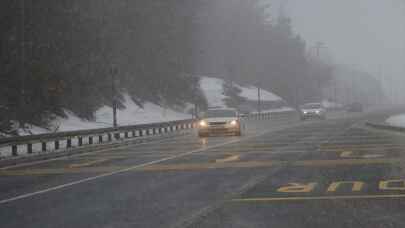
x=34 y=172
x=346 y=154
x=349 y=154
x=206 y=166
x=80 y=165
x=304 y=198
x=346 y=162
x=228 y=159
x=333 y=146
x=255 y=164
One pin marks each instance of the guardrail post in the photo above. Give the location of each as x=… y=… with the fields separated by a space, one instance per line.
x=29 y=148
x=109 y=137
x=126 y=134
x=140 y=132
x=90 y=139
x=154 y=131
x=56 y=144
x=69 y=143
x=160 y=130
x=100 y=139
x=43 y=146
x=14 y=150
x=117 y=136
x=80 y=141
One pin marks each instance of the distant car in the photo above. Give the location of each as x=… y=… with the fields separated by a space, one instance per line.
x=355 y=107
x=220 y=121
x=312 y=110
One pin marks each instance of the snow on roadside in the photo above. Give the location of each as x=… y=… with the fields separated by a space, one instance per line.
x=150 y=113
x=276 y=110
x=398 y=120
x=250 y=93
x=329 y=104
x=131 y=115
x=283 y=109
x=214 y=92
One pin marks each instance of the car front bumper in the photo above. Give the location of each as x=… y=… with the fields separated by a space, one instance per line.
x=219 y=129
x=312 y=115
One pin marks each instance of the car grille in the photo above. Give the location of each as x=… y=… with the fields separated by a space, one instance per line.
x=216 y=123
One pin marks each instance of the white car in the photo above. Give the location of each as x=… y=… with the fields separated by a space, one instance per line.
x=312 y=110
x=220 y=121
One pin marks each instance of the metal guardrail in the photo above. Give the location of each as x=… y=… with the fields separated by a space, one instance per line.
x=272 y=115
x=385 y=127
x=101 y=135
x=64 y=140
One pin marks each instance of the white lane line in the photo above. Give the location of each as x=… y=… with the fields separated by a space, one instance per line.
x=93 y=152
x=28 y=195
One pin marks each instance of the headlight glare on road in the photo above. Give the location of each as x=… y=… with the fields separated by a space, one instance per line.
x=203 y=123
x=234 y=122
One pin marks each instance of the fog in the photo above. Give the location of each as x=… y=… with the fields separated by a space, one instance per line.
x=365 y=34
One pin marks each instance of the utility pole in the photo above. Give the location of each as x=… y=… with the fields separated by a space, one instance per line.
x=194 y=81
x=114 y=72
x=21 y=101
x=259 y=102
x=318 y=46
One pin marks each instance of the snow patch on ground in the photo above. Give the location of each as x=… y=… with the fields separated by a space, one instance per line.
x=131 y=115
x=251 y=93
x=283 y=109
x=214 y=92
x=330 y=104
x=398 y=120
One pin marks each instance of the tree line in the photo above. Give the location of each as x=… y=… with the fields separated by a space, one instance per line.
x=59 y=55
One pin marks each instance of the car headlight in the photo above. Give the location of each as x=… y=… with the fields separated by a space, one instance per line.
x=234 y=122
x=318 y=112
x=203 y=123
x=305 y=112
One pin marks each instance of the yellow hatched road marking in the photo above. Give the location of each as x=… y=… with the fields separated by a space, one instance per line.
x=304 y=198
x=228 y=159
x=80 y=165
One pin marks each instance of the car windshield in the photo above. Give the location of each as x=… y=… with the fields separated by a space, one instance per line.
x=220 y=113
x=311 y=106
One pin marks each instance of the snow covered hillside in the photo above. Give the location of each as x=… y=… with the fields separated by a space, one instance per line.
x=398 y=120
x=150 y=113
x=213 y=90
x=131 y=115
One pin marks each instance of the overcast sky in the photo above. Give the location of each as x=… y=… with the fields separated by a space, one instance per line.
x=369 y=34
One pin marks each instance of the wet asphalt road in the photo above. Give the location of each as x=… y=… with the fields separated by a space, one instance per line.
x=281 y=173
